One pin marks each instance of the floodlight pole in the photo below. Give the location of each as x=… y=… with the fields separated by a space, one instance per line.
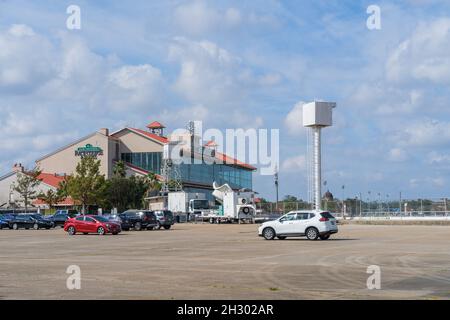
x=317 y=167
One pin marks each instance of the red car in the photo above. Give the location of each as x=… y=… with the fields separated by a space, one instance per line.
x=91 y=224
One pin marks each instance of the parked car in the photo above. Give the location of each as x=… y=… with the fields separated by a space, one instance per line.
x=164 y=218
x=138 y=220
x=7 y=217
x=91 y=224
x=313 y=224
x=69 y=212
x=58 y=219
x=30 y=221
x=113 y=218
x=3 y=223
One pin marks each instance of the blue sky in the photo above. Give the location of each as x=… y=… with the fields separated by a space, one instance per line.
x=236 y=64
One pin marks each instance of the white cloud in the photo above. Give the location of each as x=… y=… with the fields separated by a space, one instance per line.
x=198 y=17
x=397 y=155
x=294 y=119
x=424 y=55
x=424 y=133
x=50 y=84
x=294 y=164
x=436 y=182
x=209 y=75
x=27 y=60
x=437 y=158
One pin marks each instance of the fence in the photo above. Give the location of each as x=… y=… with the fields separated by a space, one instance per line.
x=358 y=208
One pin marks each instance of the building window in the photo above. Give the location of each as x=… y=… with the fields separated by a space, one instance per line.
x=150 y=161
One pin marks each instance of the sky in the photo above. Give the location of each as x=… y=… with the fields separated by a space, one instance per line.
x=240 y=64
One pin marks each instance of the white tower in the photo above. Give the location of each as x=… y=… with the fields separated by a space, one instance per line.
x=316 y=115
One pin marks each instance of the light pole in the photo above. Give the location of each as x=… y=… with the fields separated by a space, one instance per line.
x=387 y=203
x=360 y=204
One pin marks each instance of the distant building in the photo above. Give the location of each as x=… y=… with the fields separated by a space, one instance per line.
x=328 y=196
x=142 y=152
x=9 y=198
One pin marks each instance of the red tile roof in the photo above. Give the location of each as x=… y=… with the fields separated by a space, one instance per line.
x=51 y=179
x=66 y=202
x=155 y=125
x=222 y=157
x=229 y=160
x=150 y=135
x=140 y=170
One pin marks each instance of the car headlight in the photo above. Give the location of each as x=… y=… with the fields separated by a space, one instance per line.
x=108 y=225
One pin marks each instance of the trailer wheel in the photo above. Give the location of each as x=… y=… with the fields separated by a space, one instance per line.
x=211 y=220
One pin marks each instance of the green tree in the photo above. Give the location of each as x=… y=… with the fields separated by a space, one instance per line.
x=26 y=185
x=139 y=190
x=119 y=169
x=51 y=198
x=153 y=184
x=87 y=185
x=119 y=193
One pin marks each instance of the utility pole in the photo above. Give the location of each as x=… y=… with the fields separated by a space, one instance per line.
x=400 y=204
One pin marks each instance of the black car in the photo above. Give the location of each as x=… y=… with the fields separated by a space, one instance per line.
x=138 y=220
x=6 y=218
x=28 y=221
x=58 y=219
x=165 y=219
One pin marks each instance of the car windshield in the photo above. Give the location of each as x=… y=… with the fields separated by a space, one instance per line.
x=100 y=218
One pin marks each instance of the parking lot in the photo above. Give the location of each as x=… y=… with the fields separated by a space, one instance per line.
x=202 y=261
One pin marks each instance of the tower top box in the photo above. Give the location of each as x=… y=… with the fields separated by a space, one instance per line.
x=318 y=114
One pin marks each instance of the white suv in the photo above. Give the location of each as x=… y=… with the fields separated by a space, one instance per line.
x=313 y=224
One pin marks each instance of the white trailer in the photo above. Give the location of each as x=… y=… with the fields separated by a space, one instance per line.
x=237 y=206
x=185 y=202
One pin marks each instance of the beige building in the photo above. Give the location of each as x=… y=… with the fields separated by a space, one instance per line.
x=142 y=152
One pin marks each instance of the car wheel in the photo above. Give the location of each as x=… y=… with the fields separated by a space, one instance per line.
x=15 y=226
x=101 y=231
x=71 y=231
x=167 y=227
x=325 y=237
x=281 y=237
x=115 y=233
x=35 y=226
x=269 y=233
x=138 y=226
x=312 y=234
